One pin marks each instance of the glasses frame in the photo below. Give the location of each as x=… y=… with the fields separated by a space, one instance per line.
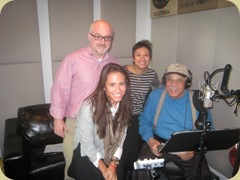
x=99 y=37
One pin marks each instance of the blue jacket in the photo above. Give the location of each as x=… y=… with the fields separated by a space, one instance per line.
x=175 y=115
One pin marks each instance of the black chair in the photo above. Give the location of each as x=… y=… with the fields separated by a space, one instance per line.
x=25 y=139
x=172 y=171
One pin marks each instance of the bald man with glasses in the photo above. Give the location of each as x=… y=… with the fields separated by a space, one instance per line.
x=76 y=78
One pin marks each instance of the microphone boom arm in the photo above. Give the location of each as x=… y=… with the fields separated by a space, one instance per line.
x=211 y=91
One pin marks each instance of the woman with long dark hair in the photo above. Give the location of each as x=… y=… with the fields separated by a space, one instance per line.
x=101 y=127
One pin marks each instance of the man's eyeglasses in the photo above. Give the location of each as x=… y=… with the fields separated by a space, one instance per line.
x=99 y=38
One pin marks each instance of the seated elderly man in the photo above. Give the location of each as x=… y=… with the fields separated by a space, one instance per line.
x=175 y=116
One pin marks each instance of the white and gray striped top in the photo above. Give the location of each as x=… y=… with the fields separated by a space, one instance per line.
x=140 y=85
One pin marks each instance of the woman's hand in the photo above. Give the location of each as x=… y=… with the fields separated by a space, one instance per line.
x=111 y=173
x=153 y=144
x=108 y=173
x=186 y=155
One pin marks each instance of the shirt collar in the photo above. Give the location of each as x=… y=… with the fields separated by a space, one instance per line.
x=114 y=109
x=91 y=54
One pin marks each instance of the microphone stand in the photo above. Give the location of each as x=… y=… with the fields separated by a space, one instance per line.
x=202 y=148
x=207 y=125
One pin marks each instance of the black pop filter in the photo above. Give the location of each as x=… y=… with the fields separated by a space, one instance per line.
x=198 y=103
x=202 y=116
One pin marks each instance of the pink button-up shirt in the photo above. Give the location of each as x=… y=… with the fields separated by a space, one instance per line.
x=76 y=79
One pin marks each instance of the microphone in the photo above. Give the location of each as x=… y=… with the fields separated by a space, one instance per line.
x=206 y=91
x=207 y=94
x=224 y=85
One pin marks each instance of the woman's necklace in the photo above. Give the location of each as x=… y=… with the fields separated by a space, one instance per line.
x=139 y=74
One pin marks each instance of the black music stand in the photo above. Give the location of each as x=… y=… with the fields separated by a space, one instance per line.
x=201 y=141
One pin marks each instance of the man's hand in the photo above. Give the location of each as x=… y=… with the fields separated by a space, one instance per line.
x=186 y=155
x=153 y=144
x=60 y=127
